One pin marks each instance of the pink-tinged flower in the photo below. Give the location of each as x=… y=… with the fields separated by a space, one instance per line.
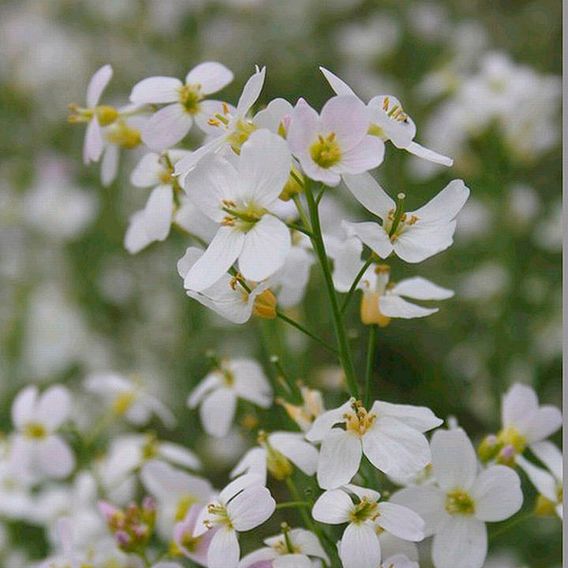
x=334 y=142
x=184 y=103
x=191 y=546
x=36 y=447
x=389 y=121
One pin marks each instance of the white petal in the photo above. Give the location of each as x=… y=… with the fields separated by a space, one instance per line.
x=136 y=237
x=212 y=181
x=446 y=205
x=55 y=457
x=400 y=521
x=545 y=422
x=497 y=494
x=348 y=118
x=365 y=156
x=190 y=161
x=419 y=288
x=550 y=456
x=362 y=492
x=265 y=248
x=179 y=455
x=272 y=116
x=190 y=218
x=395 y=307
x=109 y=165
x=371 y=234
x=217 y=412
x=454 y=461
x=93 y=144
x=428 y=501
x=212 y=77
x=264 y=165
x=209 y=383
x=370 y=194
x=166 y=482
x=53 y=407
x=417 y=417
x=158 y=213
x=395 y=448
x=251 y=92
x=302 y=132
x=296 y=449
x=250 y=382
x=430 y=155
x=24 y=406
x=421 y=241
x=340 y=456
x=207 y=110
x=98 y=84
x=360 y=547
x=308 y=543
x=332 y=507
x=543 y=481
x=339 y=86
x=156 y=90
x=254 y=461
x=147 y=171
x=224 y=550
x=166 y=127
x=238 y=485
x=460 y=543
x=518 y=406
x=325 y=421
x=292 y=561
x=216 y=260
x=251 y=508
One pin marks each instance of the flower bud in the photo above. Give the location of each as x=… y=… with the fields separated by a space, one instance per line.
x=293 y=185
x=265 y=305
x=489 y=448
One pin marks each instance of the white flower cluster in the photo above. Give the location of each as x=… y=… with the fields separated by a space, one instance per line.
x=365 y=478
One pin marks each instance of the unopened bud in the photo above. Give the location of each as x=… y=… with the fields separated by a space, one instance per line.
x=489 y=448
x=265 y=305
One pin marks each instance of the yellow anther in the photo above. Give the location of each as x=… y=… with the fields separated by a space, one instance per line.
x=326 y=152
x=459 y=502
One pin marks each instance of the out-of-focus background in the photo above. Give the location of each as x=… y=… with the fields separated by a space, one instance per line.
x=480 y=79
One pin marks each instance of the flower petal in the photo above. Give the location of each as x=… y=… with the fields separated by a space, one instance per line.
x=420 y=418
x=212 y=76
x=427 y=501
x=371 y=234
x=366 y=155
x=360 y=547
x=156 y=90
x=332 y=507
x=446 y=205
x=550 y=456
x=24 y=406
x=427 y=154
x=348 y=118
x=545 y=422
x=303 y=129
x=224 y=550
x=147 y=171
x=265 y=248
x=166 y=127
x=296 y=449
x=497 y=494
x=251 y=508
x=419 y=288
x=421 y=241
x=98 y=84
x=158 y=213
x=93 y=144
x=216 y=260
x=395 y=307
x=454 y=461
x=325 y=421
x=460 y=543
x=251 y=91
x=53 y=407
x=339 y=460
x=55 y=457
x=251 y=382
x=109 y=165
x=543 y=481
x=400 y=521
x=518 y=406
x=369 y=194
x=339 y=86
x=217 y=412
x=136 y=237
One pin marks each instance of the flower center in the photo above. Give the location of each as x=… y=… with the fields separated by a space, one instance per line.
x=397 y=220
x=394 y=111
x=221 y=516
x=106 y=114
x=364 y=510
x=242 y=217
x=510 y=436
x=240 y=134
x=459 y=502
x=35 y=431
x=325 y=151
x=120 y=134
x=359 y=421
x=190 y=97
x=123 y=402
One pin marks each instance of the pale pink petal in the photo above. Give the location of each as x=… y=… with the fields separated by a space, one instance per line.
x=339 y=86
x=166 y=127
x=366 y=155
x=348 y=118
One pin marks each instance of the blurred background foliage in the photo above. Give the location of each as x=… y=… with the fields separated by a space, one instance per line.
x=72 y=300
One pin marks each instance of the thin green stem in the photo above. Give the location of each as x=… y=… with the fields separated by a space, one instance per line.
x=351 y=291
x=371 y=349
x=307 y=332
x=303 y=216
x=341 y=334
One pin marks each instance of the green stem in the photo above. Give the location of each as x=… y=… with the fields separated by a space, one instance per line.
x=304 y=218
x=305 y=331
x=360 y=274
x=371 y=347
x=317 y=241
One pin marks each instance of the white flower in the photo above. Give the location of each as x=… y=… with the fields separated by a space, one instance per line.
x=336 y=141
x=390 y=435
x=36 y=447
x=129 y=398
x=231 y=128
x=243 y=505
x=525 y=422
x=304 y=414
x=457 y=508
x=279 y=453
x=184 y=103
x=548 y=482
x=176 y=492
x=239 y=201
x=228 y=296
x=389 y=121
x=414 y=235
x=292 y=549
x=153 y=223
x=191 y=546
x=218 y=392
x=360 y=545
